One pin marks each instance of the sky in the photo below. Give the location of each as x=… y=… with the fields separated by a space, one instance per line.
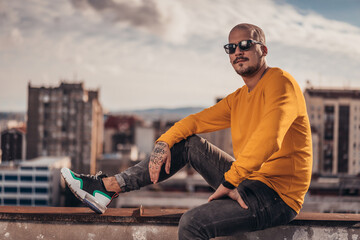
x=159 y=53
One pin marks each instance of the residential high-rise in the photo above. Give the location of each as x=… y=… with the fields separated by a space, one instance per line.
x=335 y=121
x=65 y=121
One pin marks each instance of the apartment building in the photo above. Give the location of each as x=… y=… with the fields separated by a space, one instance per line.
x=335 y=121
x=66 y=120
x=34 y=182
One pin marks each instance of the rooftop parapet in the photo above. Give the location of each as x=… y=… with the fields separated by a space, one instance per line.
x=153 y=223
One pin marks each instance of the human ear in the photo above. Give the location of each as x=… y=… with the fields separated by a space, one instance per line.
x=264 y=50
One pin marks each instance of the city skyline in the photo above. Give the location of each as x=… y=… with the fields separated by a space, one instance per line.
x=144 y=54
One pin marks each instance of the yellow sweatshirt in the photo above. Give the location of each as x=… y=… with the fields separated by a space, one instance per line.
x=271 y=135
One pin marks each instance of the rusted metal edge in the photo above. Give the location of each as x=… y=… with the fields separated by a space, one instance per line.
x=309 y=216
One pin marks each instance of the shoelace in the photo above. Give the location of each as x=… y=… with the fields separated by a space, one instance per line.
x=100 y=175
x=96 y=176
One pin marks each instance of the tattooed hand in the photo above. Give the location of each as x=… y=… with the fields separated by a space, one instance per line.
x=160 y=155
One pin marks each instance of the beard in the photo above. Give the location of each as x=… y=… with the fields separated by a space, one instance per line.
x=248 y=71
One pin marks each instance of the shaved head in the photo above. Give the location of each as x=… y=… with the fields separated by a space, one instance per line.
x=256 y=33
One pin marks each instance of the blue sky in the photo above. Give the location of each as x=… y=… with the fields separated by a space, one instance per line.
x=340 y=10
x=160 y=53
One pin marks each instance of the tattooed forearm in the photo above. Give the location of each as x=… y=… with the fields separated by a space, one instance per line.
x=157 y=156
x=158 y=150
x=156 y=159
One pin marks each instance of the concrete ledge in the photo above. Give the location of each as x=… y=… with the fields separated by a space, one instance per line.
x=85 y=215
x=153 y=223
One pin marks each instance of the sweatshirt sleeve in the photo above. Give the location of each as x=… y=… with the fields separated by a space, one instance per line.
x=208 y=120
x=280 y=111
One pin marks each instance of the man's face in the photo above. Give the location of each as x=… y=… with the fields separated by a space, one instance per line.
x=245 y=63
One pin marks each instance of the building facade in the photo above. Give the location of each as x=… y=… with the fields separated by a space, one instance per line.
x=65 y=121
x=335 y=121
x=32 y=183
x=119 y=130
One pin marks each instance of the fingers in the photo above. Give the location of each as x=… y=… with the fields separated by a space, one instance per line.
x=236 y=196
x=168 y=164
x=242 y=203
x=220 y=191
x=233 y=194
x=213 y=197
x=154 y=171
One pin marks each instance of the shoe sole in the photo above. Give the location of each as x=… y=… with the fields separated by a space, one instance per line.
x=82 y=195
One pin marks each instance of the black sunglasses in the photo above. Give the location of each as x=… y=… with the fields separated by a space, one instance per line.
x=244 y=45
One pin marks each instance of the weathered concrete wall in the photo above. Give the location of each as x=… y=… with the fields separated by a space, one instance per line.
x=290 y=232
x=155 y=224
x=69 y=231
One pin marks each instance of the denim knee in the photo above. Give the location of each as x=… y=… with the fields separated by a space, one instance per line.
x=190 y=226
x=193 y=140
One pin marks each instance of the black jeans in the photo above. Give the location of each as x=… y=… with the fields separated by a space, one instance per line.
x=222 y=217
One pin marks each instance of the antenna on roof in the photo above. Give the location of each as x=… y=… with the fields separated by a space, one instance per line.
x=309 y=85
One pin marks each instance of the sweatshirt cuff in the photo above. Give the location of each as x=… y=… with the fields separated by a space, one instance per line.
x=167 y=139
x=233 y=177
x=228 y=185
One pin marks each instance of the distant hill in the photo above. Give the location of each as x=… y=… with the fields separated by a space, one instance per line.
x=170 y=114
x=18 y=116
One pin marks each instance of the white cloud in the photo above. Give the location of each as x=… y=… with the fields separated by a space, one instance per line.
x=163 y=53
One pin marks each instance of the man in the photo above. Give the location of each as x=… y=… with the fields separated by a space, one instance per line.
x=264 y=185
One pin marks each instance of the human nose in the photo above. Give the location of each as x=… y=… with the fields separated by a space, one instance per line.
x=238 y=51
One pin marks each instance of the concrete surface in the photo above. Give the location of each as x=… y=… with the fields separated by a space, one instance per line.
x=155 y=223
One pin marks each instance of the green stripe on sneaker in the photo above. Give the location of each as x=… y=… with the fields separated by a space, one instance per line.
x=81 y=181
x=104 y=194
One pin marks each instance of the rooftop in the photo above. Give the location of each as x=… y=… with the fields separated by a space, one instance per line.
x=46 y=161
x=333 y=93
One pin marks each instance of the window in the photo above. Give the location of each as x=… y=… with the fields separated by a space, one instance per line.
x=41 y=178
x=26 y=168
x=10 y=189
x=11 y=177
x=26 y=178
x=10 y=201
x=25 y=202
x=42 y=168
x=39 y=202
x=41 y=190
x=25 y=190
